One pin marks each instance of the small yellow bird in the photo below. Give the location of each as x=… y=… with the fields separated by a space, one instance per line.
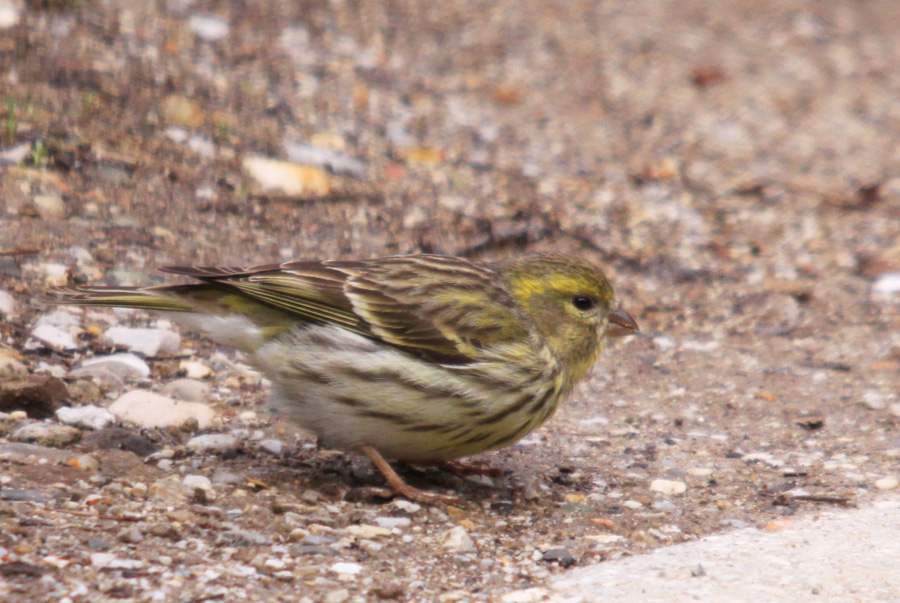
x=416 y=358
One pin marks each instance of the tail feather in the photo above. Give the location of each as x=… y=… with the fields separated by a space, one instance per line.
x=149 y=298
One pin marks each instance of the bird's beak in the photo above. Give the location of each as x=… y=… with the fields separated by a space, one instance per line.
x=621 y=324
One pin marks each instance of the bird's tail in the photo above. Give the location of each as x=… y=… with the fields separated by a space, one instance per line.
x=176 y=298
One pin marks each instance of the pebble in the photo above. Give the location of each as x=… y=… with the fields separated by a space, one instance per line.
x=170 y=488
x=53 y=336
x=887 y=483
x=212 y=442
x=110 y=561
x=367 y=531
x=244 y=538
x=124 y=366
x=632 y=504
x=146 y=341
x=50 y=207
x=289 y=178
x=337 y=596
x=208 y=28
x=21 y=495
x=560 y=555
x=46 y=434
x=148 y=410
x=9 y=15
x=874 y=400
x=666 y=486
x=182 y=111
x=393 y=522
x=201 y=487
x=55 y=274
x=700 y=471
x=189 y=390
x=312 y=155
x=195 y=369
x=89 y=417
x=7 y=303
x=22 y=451
x=272 y=446
x=457 y=540
x=529 y=595
x=346 y=568
x=887 y=283
x=38 y=395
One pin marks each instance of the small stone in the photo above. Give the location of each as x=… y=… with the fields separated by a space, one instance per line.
x=670 y=487
x=271 y=446
x=149 y=342
x=38 y=395
x=56 y=274
x=21 y=495
x=85 y=462
x=22 y=451
x=89 y=417
x=700 y=471
x=887 y=483
x=560 y=555
x=46 y=434
x=182 y=111
x=212 y=442
x=529 y=595
x=201 y=487
x=7 y=304
x=244 y=538
x=194 y=369
x=289 y=178
x=53 y=336
x=130 y=536
x=171 y=489
x=9 y=17
x=337 y=596
x=149 y=410
x=208 y=28
x=632 y=504
x=888 y=283
x=189 y=390
x=350 y=569
x=366 y=531
x=50 y=207
x=874 y=400
x=457 y=540
x=393 y=522
x=124 y=366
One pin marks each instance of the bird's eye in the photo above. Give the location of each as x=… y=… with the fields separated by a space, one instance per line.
x=582 y=303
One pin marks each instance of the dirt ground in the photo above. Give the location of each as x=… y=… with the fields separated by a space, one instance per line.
x=732 y=165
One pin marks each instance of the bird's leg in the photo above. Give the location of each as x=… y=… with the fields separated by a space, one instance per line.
x=464 y=467
x=401 y=487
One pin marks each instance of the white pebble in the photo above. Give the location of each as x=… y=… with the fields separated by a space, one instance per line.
x=887 y=483
x=271 y=446
x=150 y=342
x=194 y=369
x=367 y=531
x=91 y=417
x=189 y=390
x=346 y=568
x=457 y=540
x=212 y=441
x=148 y=409
x=666 y=486
x=124 y=366
x=887 y=283
x=53 y=336
x=7 y=303
x=208 y=28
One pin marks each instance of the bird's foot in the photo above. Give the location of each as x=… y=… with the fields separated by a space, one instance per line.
x=399 y=486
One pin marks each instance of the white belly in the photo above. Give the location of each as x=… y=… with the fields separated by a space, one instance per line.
x=352 y=392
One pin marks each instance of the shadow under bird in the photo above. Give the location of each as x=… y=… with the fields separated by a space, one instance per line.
x=420 y=358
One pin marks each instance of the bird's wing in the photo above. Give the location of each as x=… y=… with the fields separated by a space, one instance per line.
x=439 y=308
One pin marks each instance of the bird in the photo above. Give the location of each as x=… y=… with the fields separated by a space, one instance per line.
x=417 y=358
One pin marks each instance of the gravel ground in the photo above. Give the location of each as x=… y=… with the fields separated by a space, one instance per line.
x=732 y=165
